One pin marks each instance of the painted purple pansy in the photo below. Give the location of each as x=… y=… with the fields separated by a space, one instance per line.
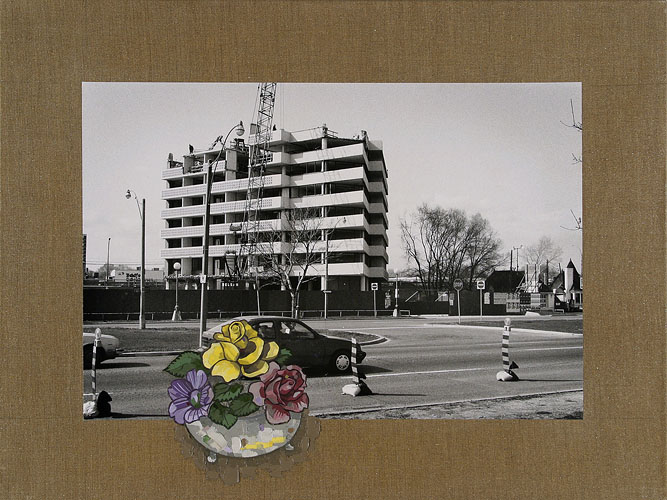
x=191 y=397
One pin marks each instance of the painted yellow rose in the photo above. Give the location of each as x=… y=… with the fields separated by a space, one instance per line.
x=236 y=332
x=241 y=351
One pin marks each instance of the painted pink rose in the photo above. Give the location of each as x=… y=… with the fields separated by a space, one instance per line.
x=281 y=391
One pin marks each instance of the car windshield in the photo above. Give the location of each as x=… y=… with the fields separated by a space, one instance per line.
x=265 y=329
x=295 y=330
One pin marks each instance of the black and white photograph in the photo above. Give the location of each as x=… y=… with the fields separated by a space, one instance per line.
x=398 y=250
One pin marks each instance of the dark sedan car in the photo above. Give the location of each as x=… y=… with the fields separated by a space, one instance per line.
x=309 y=348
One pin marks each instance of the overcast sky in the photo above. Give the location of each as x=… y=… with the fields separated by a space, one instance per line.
x=498 y=149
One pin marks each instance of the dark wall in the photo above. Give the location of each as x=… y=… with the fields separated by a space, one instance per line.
x=470 y=305
x=160 y=303
x=100 y=303
x=100 y=300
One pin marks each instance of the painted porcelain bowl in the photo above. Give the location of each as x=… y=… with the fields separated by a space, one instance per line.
x=250 y=436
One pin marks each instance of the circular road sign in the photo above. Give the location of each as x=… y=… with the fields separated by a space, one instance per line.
x=374 y=286
x=458 y=284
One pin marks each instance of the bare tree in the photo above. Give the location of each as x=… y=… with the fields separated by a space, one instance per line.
x=543 y=251
x=482 y=250
x=577 y=126
x=577 y=223
x=287 y=254
x=442 y=245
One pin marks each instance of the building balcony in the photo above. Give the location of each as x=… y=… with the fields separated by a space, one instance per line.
x=274 y=203
x=348 y=269
x=352 y=152
x=214 y=230
x=173 y=173
x=377 y=187
x=356 y=198
x=377 y=208
x=377 y=166
x=332 y=176
x=376 y=229
x=213 y=251
x=219 y=187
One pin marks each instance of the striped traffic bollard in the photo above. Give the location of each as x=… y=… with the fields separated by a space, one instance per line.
x=98 y=334
x=355 y=368
x=359 y=387
x=506 y=374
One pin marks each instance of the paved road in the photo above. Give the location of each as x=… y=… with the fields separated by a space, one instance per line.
x=422 y=362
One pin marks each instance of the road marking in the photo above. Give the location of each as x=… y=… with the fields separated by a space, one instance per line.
x=426 y=327
x=382 y=408
x=432 y=372
x=426 y=372
x=547 y=348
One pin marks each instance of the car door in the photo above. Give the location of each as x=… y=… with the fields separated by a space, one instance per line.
x=301 y=341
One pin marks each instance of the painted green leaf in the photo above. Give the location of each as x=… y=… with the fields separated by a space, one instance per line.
x=221 y=415
x=283 y=356
x=226 y=392
x=185 y=362
x=243 y=405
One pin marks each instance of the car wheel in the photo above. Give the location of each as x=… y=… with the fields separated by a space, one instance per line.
x=341 y=362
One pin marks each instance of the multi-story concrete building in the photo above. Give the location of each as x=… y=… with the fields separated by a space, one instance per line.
x=343 y=179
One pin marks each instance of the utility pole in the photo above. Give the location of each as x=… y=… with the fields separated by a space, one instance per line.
x=142 y=289
x=326 y=274
x=108 y=246
x=203 y=312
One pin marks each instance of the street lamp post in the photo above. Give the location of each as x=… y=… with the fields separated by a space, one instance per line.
x=142 y=285
x=177 y=313
x=396 y=311
x=326 y=275
x=207 y=222
x=108 y=246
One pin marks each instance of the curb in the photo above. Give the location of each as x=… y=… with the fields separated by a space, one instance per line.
x=379 y=340
x=324 y=414
x=134 y=354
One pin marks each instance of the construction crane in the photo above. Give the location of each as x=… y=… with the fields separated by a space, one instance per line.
x=259 y=155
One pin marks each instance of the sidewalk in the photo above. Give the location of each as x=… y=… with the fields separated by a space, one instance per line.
x=562 y=405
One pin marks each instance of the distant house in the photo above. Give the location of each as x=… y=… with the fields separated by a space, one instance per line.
x=567 y=288
x=504 y=281
x=134 y=276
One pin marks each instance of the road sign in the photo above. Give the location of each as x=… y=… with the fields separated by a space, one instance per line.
x=458 y=284
x=202 y=278
x=481 y=284
x=374 y=286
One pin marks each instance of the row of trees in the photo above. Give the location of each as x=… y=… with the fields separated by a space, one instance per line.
x=444 y=244
x=441 y=245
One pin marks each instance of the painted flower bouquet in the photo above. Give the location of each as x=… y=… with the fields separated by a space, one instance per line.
x=214 y=393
